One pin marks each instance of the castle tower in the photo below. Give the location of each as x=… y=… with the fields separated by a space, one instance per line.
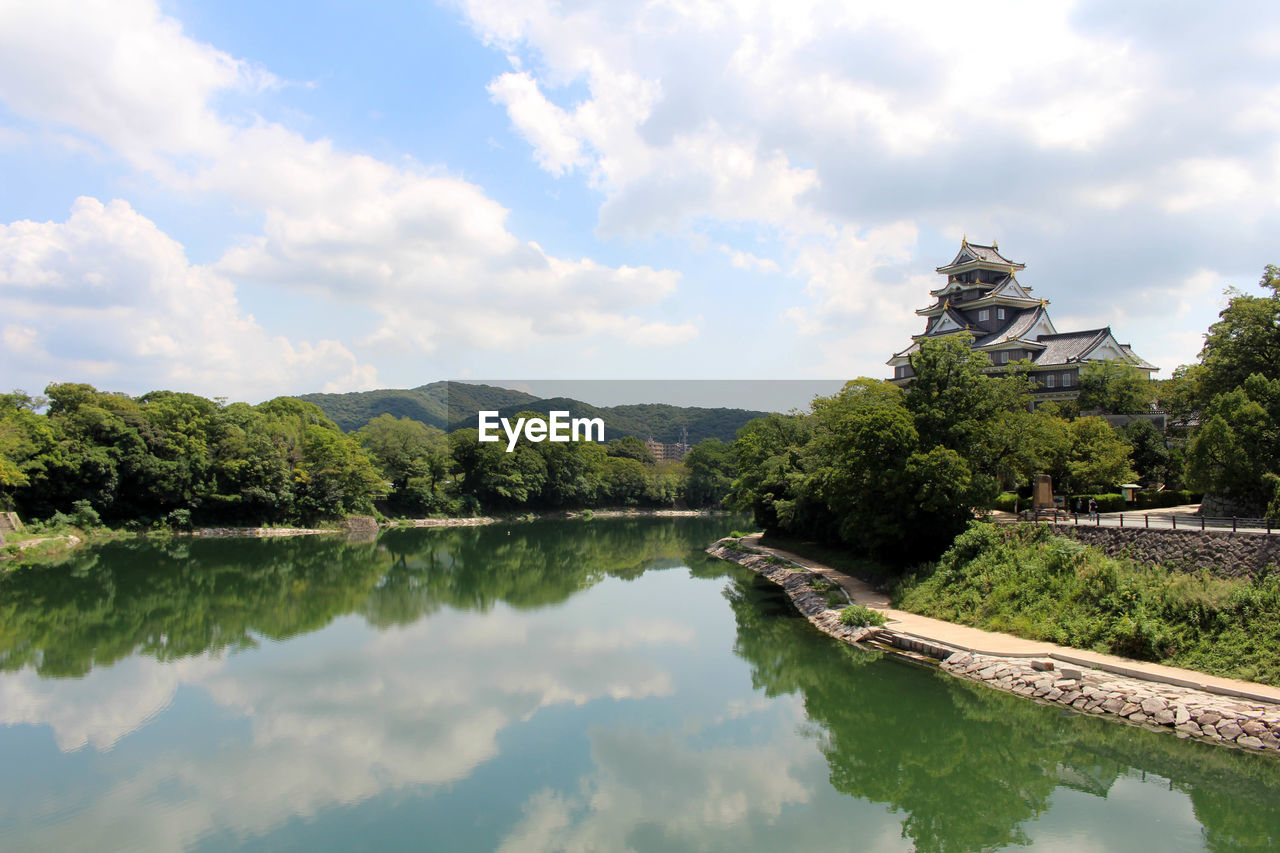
x=982 y=296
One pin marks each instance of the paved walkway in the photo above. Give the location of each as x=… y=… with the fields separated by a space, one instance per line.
x=1185 y=517
x=964 y=638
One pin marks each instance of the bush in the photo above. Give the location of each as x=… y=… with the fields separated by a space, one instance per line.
x=1010 y=502
x=180 y=518
x=1155 y=500
x=857 y=616
x=84 y=516
x=1109 y=502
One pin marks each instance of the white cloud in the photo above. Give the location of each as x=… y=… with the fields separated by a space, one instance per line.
x=1036 y=120
x=109 y=296
x=428 y=253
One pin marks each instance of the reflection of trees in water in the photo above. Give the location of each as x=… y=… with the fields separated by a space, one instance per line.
x=177 y=598
x=529 y=565
x=189 y=596
x=971 y=767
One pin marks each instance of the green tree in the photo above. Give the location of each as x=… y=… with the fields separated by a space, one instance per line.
x=1150 y=456
x=1238 y=445
x=1246 y=338
x=630 y=447
x=1115 y=387
x=1099 y=458
x=711 y=468
x=413 y=457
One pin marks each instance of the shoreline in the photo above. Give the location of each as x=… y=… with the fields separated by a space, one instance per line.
x=1218 y=712
x=58 y=545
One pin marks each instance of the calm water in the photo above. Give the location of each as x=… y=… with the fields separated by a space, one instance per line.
x=549 y=686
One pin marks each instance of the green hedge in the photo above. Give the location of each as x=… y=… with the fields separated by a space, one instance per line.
x=1009 y=500
x=1154 y=500
x=1106 y=502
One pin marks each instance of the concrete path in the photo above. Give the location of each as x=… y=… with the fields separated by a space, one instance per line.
x=1185 y=517
x=964 y=638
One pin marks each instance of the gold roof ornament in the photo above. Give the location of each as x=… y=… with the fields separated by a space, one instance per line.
x=995 y=244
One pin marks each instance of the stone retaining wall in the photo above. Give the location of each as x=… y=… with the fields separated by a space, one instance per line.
x=1224 y=553
x=1184 y=711
x=1188 y=712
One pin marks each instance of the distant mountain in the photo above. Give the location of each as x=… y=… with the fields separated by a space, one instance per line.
x=437 y=404
x=455 y=405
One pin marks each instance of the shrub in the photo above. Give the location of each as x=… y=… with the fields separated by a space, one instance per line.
x=855 y=615
x=821 y=584
x=180 y=518
x=1010 y=502
x=1109 y=502
x=83 y=515
x=1155 y=500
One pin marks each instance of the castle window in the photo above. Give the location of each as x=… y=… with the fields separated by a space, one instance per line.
x=999 y=313
x=1004 y=356
x=983 y=315
x=1066 y=380
x=1049 y=380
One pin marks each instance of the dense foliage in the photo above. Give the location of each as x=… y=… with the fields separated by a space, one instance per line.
x=1024 y=580
x=1234 y=394
x=183 y=459
x=147 y=457
x=897 y=474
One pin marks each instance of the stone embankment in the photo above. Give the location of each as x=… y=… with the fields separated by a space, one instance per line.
x=1187 y=712
x=1221 y=552
x=798 y=584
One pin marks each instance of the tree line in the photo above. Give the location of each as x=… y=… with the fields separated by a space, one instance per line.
x=890 y=471
x=176 y=458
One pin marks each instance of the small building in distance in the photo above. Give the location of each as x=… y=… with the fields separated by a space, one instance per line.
x=982 y=296
x=672 y=452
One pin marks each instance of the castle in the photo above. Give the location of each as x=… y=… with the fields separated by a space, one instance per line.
x=983 y=297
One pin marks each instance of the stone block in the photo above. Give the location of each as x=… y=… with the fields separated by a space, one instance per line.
x=1230 y=731
x=1249 y=741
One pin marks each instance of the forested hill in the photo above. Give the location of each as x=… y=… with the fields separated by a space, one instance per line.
x=454 y=405
x=438 y=404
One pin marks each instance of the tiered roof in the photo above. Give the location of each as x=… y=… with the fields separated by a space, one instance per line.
x=980 y=282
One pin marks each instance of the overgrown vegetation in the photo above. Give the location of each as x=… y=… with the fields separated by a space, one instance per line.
x=857 y=616
x=1023 y=580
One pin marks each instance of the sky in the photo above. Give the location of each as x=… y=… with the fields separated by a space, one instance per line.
x=246 y=199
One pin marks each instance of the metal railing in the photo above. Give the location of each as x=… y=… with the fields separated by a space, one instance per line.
x=1154 y=521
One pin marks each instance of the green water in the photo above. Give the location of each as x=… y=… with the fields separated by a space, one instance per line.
x=582 y=685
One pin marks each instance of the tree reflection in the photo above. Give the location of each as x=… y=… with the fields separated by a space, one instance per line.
x=184 y=597
x=972 y=768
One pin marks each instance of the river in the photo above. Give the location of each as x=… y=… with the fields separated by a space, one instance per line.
x=554 y=685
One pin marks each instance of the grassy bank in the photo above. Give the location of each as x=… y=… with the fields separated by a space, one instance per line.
x=1021 y=579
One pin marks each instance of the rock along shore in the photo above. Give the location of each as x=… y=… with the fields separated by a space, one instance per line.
x=1183 y=711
